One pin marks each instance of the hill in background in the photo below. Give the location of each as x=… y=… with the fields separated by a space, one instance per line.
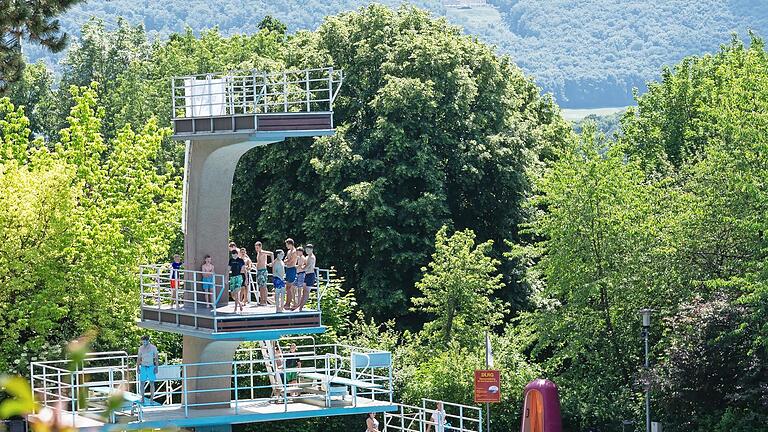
x=588 y=53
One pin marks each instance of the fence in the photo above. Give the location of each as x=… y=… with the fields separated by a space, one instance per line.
x=255 y=92
x=456 y=418
x=255 y=377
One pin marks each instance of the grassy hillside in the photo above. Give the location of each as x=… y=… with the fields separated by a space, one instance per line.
x=588 y=53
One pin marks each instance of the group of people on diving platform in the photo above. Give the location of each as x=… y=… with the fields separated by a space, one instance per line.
x=294 y=274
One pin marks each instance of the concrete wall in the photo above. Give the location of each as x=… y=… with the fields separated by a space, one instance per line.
x=210 y=169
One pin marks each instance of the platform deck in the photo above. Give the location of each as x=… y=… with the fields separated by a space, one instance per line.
x=245 y=412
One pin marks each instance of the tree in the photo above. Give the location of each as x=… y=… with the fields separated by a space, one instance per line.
x=457 y=287
x=77 y=220
x=603 y=246
x=34 y=21
x=433 y=129
x=270 y=23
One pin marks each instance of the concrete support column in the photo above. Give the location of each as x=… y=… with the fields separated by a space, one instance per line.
x=210 y=169
x=198 y=350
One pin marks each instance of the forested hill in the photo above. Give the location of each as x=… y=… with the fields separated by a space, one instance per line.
x=589 y=53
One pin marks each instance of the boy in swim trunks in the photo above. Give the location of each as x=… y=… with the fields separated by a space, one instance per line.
x=207 y=286
x=278 y=280
x=309 y=276
x=236 y=268
x=299 y=283
x=261 y=272
x=290 y=271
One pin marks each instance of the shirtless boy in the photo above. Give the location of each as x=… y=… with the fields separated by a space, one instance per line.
x=208 y=270
x=309 y=276
x=290 y=271
x=261 y=272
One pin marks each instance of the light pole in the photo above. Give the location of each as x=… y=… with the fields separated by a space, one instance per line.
x=646 y=315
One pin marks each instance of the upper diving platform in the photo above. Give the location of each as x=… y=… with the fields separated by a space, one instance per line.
x=286 y=103
x=185 y=304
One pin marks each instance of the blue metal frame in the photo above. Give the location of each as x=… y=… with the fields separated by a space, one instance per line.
x=275 y=136
x=249 y=418
x=244 y=336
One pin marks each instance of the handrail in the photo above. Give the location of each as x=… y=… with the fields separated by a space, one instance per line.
x=58 y=387
x=409 y=418
x=160 y=289
x=231 y=93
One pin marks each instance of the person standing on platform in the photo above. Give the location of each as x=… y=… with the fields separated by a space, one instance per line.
x=207 y=286
x=261 y=272
x=299 y=283
x=290 y=272
x=175 y=279
x=245 y=293
x=147 y=362
x=236 y=268
x=309 y=276
x=371 y=424
x=438 y=419
x=278 y=280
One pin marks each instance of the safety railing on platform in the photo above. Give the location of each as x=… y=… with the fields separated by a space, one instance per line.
x=255 y=92
x=199 y=294
x=256 y=376
x=452 y=418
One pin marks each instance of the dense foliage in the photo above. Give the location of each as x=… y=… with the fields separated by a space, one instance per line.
x=451 y=189
x=671 y=217
x=589 y=53
x=424 y=119
x=77 y=217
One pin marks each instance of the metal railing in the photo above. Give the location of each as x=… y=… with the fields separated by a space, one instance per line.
x=255 y=92
x=252 y=380
x=457 y=418
x=184 y=291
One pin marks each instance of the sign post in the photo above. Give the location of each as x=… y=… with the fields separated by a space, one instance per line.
x=487 y=391
x=488 y=383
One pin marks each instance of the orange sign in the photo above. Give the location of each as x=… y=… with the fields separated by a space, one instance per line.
x=487 y=386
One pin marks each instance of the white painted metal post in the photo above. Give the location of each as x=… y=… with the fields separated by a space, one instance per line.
x=185 y=395
x=234 y=368
x=330 y=89
x=285 y=93
x=308 y=94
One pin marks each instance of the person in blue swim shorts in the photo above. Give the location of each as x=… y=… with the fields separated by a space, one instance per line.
x=147 y=363
x=278 y=280
x=290 y=272
x=207 y=285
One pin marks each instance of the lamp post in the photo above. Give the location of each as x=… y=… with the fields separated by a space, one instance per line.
x=646 y=316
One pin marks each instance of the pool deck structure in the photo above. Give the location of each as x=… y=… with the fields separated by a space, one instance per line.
x=164 y=417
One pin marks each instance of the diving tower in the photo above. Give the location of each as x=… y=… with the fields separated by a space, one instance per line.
x=236 y=367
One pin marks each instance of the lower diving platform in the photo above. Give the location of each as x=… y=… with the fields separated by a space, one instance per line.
x=271 y=380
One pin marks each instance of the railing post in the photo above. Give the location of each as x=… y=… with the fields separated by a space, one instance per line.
x=285 y=92
x=309 y=109
x=194 y=293
x=234 y=368
x=330 y=89
x=184 y=392
x=157 y=288
x=461 y=417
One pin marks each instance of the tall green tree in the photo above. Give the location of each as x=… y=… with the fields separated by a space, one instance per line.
x=433 y=129
x=77 y=219
x=457 y=288
x=35 y=21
